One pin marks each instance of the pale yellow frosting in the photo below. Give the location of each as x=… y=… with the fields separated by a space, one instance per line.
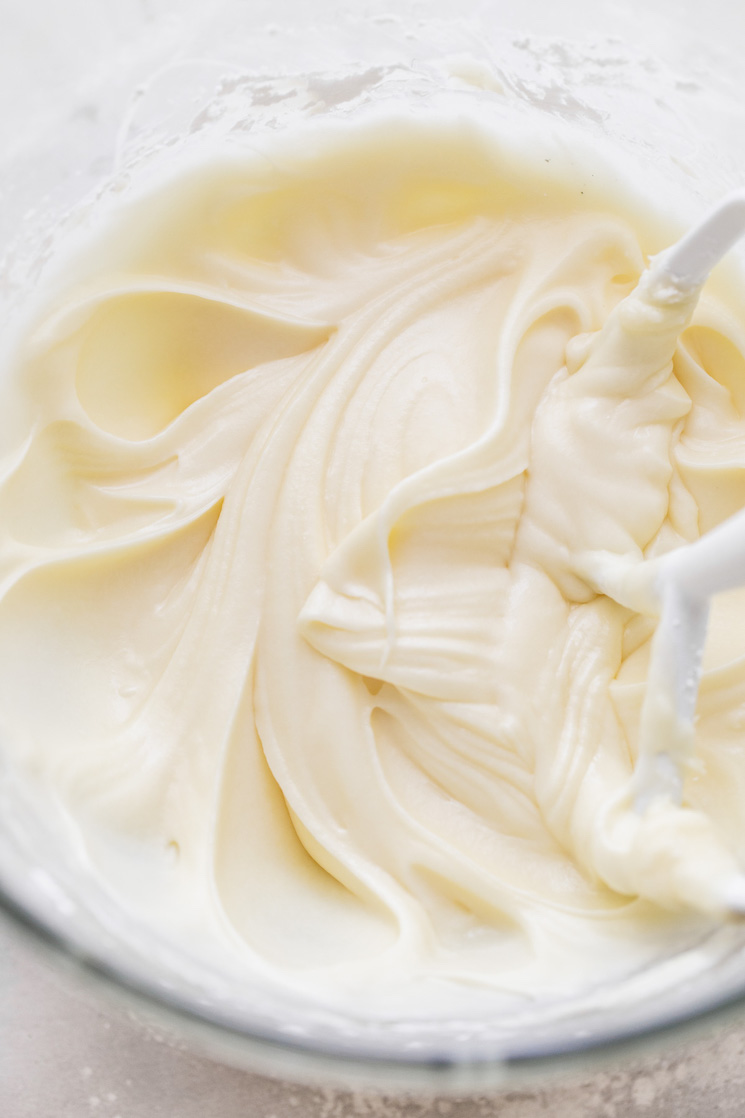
x=315 y=473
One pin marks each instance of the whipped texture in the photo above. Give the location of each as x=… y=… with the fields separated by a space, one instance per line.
x=318 y=464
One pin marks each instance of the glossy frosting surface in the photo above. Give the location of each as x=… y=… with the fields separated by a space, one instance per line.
x=313 y=469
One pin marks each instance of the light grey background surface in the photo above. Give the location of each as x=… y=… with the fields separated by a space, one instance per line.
x=65 y=1057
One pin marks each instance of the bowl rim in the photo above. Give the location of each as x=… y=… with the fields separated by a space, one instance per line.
x=260 y=1049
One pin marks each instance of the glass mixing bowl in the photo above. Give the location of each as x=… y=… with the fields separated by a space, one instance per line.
x=90 y=98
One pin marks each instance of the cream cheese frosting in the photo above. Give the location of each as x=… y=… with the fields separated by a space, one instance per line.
x=317 y=467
